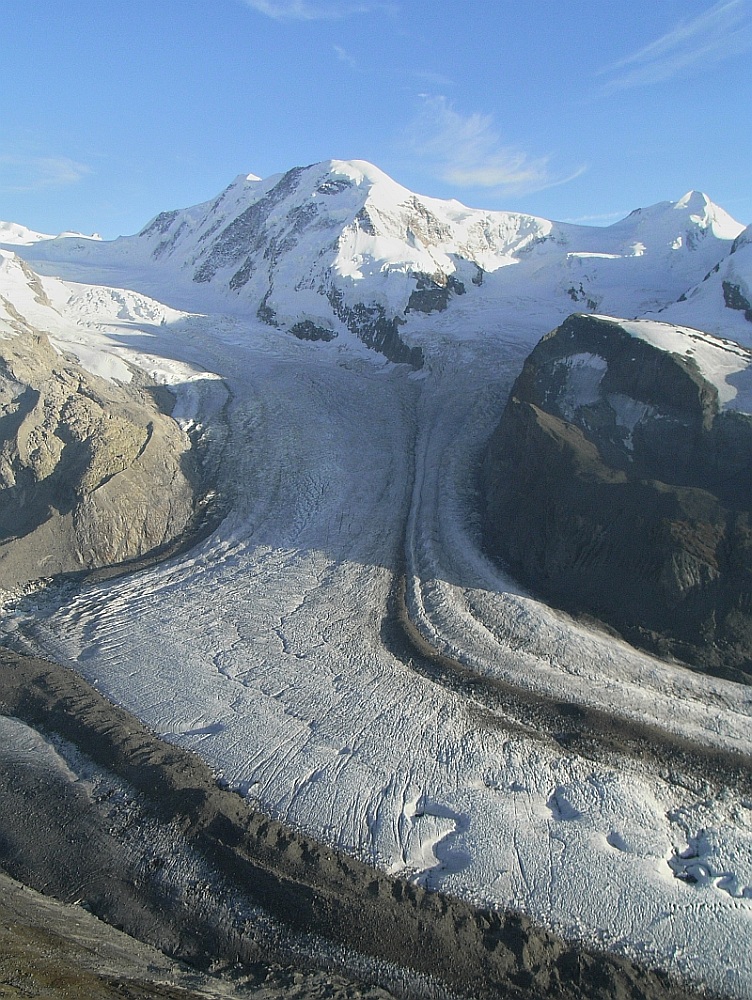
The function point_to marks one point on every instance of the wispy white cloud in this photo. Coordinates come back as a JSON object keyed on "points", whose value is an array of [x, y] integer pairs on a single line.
{"points": [[344, 56], [312, 10], [36, 173], [468, 151], [603, 219], [721, 32]]}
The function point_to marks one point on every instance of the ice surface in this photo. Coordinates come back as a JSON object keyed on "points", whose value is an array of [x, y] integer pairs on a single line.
{"points": [[262, 650]]}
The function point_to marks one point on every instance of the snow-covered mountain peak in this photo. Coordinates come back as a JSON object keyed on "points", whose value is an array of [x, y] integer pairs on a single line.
{"points": [[309, 246], [339, 247], [242, 181], [12, 234], [371, 185], [705, 214], [359, 171], [681, 223], [695, 201]]}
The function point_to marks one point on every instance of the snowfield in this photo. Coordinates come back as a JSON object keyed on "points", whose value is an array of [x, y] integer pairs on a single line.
{"points": [[265, 648], [721, 362]]}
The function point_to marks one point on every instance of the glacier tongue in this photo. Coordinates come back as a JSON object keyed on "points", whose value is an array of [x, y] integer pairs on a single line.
{"points": [[262, 650]]}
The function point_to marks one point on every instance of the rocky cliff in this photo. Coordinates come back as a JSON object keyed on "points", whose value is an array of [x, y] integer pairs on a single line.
{"points": [[618, 484], [91, 472]]}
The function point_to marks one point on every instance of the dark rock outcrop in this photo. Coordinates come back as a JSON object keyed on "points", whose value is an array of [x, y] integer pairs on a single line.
{"points": [[734, 298], [307, 330], [433, 292], [371, 324], [616, 486]]}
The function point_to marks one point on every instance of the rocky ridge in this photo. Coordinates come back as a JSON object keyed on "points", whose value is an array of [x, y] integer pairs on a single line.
{"points": [[92, 472], [618, 484]]}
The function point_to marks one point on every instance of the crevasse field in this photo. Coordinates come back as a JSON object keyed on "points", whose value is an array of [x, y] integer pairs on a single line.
{"points": [[264, 647]]}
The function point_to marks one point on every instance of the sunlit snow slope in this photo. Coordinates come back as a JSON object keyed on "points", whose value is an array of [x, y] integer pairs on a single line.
{"points": [[338, 249], [265, 648]]}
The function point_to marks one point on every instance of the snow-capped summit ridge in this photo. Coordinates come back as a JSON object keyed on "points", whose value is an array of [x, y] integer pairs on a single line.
{"points": [[706, 214], [241, 180], [11, 233], [359, 171], [339, 247], [694, 211], [694, 201]]}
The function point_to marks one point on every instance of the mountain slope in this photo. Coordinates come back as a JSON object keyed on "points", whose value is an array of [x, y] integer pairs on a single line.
{"points": [[618, 482], [273, 649], [721, 302], [92, 472], [339, 248]]}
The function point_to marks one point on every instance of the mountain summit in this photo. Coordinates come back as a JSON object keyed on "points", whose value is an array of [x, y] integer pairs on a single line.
{"points": [[340, 249]]}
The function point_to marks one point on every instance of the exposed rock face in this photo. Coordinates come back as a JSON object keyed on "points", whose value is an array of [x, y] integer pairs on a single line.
{"points": [[91, 473], [617, 486], [339, 249], [734, 298], [433, 292], [735, 286]]}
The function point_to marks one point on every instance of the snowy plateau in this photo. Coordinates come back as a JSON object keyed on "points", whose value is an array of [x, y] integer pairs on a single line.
{"points": [[344, 349]]}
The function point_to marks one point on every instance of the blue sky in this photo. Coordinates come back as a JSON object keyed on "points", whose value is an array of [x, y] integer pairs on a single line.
{"points": [[578, 110]]}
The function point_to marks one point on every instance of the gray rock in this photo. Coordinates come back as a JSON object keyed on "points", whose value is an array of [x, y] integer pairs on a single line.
{"points": [[91, 473], [734, 298], [433, 292]]}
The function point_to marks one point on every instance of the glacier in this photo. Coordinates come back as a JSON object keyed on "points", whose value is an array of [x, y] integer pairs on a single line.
{"points": [[350, 487]]}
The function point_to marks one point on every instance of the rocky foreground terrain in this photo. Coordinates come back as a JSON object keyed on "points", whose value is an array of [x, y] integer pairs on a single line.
{"points": [[194, 873]]}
